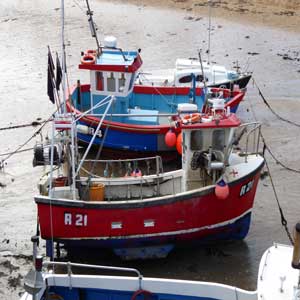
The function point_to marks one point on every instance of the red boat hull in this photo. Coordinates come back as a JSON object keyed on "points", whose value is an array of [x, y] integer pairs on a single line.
{"points": [[194, 216]]}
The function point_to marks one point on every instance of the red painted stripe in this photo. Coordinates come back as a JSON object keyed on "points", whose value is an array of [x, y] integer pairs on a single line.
{"points": [[165, 90]]}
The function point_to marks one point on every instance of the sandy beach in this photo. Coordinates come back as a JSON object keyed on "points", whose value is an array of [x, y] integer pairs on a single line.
{"points": [[263, 35], [278, 13]]}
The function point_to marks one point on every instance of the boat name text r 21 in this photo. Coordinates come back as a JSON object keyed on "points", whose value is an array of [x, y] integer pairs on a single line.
{"points": [[75, 219]]}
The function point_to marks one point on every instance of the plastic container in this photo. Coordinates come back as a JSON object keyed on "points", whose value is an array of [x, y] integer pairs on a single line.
{"points": [[60, 181], [97, 192]]}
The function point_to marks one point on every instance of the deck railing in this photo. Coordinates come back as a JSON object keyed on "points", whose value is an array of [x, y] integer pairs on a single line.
{"points": [[252, 138]]}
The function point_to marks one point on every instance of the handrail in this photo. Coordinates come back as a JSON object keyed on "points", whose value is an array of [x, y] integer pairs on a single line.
{"points": [[123, 160], [157, 160], [253, 131], [134, 115], [100, 267]]}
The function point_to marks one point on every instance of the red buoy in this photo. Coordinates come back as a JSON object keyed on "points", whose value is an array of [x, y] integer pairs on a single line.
{"points": [[222, 190], [136, 173], [179, 143], [170, 138]]}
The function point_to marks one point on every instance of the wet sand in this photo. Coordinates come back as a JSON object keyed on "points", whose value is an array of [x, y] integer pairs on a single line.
{"points": [[271, 52]]}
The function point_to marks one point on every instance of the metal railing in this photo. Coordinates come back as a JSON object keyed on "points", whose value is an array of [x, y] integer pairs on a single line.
{"points": [[69, 266], [253, 134]]}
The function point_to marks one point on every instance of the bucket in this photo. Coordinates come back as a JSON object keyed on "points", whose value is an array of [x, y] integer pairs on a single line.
{"points": [[97, 192], [60, 181]]}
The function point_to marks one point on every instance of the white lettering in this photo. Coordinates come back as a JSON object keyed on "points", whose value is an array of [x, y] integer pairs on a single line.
{"points": [[246, 188], [68, 219], [78, 219]]}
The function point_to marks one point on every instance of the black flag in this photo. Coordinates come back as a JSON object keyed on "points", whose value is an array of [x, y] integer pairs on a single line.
{"points": [[58, 72], [50, 85]]}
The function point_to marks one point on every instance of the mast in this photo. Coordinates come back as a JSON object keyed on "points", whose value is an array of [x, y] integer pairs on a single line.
{"points": [[64, 108], [209, 30], [93, 29]]}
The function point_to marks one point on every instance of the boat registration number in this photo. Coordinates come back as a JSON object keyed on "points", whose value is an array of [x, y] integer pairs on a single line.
{"points": [[246, 188], [75, 219]]}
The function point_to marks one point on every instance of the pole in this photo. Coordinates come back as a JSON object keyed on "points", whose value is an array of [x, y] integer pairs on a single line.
{"points": [[64, 108], [209, 29]]}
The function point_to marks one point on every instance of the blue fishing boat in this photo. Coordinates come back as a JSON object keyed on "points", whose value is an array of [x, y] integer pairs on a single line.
{"points": [[141, 115]]}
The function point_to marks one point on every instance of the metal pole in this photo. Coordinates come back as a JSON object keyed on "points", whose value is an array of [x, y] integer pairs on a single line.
{"points": [[209, 29], [63, 55]]}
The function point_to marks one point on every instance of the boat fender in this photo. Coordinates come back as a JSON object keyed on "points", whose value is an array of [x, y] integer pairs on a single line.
{"points": [[179, 143], [191, 118], [147, 295], [88, 59], [170, 138], [136, 173], [222, 190]]}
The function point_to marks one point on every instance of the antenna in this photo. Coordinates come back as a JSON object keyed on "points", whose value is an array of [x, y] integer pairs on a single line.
{"points": [[209, 30], [93, 28]]}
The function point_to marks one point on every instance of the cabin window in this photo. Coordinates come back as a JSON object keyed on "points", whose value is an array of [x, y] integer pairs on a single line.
{"points": [[218, 140], [121, 82], [185, 79], [196, 140], [99, 81], [189, 78], [199, 78], [111, 83]]}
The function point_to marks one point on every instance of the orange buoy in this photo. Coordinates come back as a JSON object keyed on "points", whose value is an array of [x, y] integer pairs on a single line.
{"points": [[179, 143], [170, 138], [222, 190], [88, 59], [191, 118]]}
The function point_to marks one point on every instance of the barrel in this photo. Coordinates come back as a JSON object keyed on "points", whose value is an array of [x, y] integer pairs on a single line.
{"points": [[96, 192]]}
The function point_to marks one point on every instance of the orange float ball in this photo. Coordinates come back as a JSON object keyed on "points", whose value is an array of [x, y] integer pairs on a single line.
{"points": [[179, 143], [222, 190], [170, 138]]}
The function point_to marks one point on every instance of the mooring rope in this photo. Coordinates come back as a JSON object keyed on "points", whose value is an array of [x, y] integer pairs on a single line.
{"points": [[32, 124], [266, 147], [283, 219], [270, 108], [9, 155]]}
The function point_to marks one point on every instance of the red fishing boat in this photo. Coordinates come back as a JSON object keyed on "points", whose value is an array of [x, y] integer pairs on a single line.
{"points": [[142, 207]]}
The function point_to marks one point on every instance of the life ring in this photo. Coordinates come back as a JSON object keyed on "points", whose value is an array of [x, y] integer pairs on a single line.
{"points": [[91, 52], [147, 295], [88, 59], [191, 118]]}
